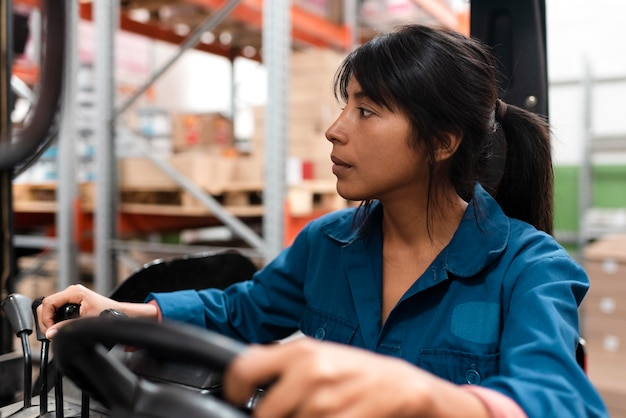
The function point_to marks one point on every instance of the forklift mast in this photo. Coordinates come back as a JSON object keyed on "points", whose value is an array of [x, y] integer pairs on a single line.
{"points": [[20, 147], [7, 258], [516, 30]]}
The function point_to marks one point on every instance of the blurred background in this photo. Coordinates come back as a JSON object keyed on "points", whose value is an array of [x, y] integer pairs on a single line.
{"points": [[198, 125]]}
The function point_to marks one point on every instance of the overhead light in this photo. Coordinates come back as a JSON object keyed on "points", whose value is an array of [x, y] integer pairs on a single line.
{"points": [[207, 37], [141, 15], [181, 29], [226, 38], [248, 51], [166, 12]]}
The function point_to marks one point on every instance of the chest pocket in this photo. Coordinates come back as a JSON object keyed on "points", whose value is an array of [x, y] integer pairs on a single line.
{"points": [[324, 326], [457, 366]]}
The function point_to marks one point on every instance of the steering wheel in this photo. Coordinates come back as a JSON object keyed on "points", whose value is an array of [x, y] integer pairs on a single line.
{"points": [[80, 348]]}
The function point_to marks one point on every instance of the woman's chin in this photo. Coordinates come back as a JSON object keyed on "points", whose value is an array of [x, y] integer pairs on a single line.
{"points": [[349, 193]]}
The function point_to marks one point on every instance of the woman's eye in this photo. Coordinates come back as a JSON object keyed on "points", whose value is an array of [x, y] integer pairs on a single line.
{"points": [[365, 112]]}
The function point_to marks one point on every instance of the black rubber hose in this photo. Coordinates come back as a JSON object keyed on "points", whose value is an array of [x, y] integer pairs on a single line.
{"points": [[43, 120]]}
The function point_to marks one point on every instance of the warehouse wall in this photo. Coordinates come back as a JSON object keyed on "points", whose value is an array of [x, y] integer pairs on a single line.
{"points": [[586, 36]]}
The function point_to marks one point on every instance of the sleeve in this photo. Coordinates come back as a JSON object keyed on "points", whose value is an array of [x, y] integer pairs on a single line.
{"points": [[540, 333], [158, 308], [498, 405], [266, 308]]}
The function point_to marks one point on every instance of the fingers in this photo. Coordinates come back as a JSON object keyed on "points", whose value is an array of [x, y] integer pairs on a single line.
{"points": [[249, 371], [91, 303], [314, 379], [286, 397], [281, 368]]}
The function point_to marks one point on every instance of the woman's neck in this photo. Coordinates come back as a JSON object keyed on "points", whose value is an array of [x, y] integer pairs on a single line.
{"points": [[413, 224]]}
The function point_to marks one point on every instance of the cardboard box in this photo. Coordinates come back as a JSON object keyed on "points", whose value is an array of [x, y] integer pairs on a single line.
{"points": [[249, 169], [141, 173], [190, 130], [210, 171]]}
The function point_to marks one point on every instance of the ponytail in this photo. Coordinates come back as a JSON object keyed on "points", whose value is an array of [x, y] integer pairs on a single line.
{"points": [[526, 188]]}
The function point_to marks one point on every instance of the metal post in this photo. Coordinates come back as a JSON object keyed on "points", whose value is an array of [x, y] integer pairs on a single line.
{"points": [[66, 160], [351, 20], [105, 18], [584, 180], [276, 53]]}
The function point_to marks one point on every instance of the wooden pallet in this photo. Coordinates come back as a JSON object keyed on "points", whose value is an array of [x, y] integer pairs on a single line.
{"points": [[240, 201], [239, 198], [243, 199], [311, 196], [42, 197]]}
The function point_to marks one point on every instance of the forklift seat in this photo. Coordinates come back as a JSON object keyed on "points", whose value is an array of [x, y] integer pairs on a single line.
{"points": [[195, 271]]}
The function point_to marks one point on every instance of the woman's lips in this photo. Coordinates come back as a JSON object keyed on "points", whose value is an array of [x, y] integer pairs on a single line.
{"points": [[339, 166]]}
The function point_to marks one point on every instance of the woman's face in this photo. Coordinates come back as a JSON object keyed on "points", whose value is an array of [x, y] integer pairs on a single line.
{"points": [[371, 155]]}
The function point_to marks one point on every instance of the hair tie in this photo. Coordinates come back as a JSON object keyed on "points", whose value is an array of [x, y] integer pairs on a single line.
{"points": [[500, 109]]}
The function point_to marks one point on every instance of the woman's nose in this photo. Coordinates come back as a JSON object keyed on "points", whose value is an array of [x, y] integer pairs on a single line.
{"points": [[335, 132]]}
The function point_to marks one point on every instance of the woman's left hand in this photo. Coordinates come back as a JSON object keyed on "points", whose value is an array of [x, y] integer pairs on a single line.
{"points": [[308, 378]]}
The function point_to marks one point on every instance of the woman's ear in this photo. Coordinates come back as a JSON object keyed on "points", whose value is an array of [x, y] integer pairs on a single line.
{"points": [[448, 148]]}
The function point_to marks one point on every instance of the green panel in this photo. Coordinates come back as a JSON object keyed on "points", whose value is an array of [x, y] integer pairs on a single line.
{"points": [[609, 186], [566, 198], [608, 191]]}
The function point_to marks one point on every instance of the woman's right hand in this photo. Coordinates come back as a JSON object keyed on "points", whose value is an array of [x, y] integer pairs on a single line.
{"points": [[91, 304]]}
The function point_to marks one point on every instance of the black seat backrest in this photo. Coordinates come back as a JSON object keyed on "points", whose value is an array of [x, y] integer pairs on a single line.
{"points": [[196, 271]]}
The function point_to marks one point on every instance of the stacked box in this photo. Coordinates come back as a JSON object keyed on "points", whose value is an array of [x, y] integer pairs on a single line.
{"points": [[141, 173], [190, 130], [212, 172], [312, 109], [604, 319], [248, 169], [207, 168]]}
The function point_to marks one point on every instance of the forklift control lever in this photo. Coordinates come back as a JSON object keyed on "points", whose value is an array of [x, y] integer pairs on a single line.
{"points": [[67, 311]]}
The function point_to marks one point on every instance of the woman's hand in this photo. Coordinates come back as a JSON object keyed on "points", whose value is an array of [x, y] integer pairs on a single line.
{"points": [[91, 304], [316, 379]]}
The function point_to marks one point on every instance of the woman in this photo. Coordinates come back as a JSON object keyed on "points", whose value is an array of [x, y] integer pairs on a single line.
{"points": [[462, 302]]}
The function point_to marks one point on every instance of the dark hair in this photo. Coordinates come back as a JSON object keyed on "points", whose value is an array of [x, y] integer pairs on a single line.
{"points": [[446, 83]]}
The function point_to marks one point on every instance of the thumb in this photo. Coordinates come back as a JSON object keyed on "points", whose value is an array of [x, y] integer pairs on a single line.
{"points": [[51, 332], [254, 368]]}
